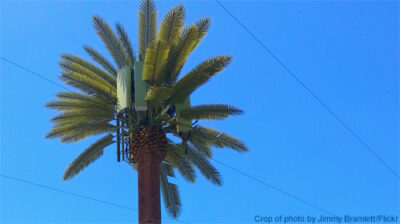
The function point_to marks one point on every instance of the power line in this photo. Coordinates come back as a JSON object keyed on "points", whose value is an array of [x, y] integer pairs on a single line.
{"points": [[67, 192], [273, 187], [33, 73], [319, 100], [72, 193], [276, 189]]}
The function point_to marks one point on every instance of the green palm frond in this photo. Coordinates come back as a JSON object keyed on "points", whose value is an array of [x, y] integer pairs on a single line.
{"points": [[202, 147], [202, 163], [147, 26], [218, 139], [172, 25], [200, 141], [180, 162], [76, 64], [186, 170], [123, 36], [197, 77], [74, 132], [179, 53], [97, 57], [210, 112], [170, 192], [112, 43], [155, 61], [168, 169], [90, 155], [91, 85]]}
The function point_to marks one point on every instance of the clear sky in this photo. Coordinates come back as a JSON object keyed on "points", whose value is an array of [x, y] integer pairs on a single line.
{"points": [[346, 52]]}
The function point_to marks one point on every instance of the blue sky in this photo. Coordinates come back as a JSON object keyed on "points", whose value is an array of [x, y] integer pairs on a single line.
{"points": [[346, 52]]}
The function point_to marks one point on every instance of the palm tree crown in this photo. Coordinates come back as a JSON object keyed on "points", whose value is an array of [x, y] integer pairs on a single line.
{"points": [[144, 89]]}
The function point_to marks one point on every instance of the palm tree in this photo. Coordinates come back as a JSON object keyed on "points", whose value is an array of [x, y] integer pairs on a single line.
{"points": [[141, 103]]}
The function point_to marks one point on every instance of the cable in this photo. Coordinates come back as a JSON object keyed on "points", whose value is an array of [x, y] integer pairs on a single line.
{"points": [[73, 194], [350, 130], [67, 192], [275, 188], [33, 73], [272, 187]]}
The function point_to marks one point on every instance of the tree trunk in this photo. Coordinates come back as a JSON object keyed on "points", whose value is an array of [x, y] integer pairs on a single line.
{"points": [[149, 189], [148, 148]]}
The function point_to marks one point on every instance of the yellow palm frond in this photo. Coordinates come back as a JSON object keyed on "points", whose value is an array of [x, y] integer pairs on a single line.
{"points": [[197, 77], [94, 84], [172, 25], [76, 64], [154, 64]]}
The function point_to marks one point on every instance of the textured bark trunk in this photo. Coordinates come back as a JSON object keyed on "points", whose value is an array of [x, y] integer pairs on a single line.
{"points": [[148, 148], [149, 188]]}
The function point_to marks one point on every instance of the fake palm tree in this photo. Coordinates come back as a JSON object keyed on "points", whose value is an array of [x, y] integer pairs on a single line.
{"points": [[141, 103]]}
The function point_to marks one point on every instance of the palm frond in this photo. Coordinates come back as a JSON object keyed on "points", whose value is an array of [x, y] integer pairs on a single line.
{"points": [[78, 85], [81, 134], [77, 116], [147, 26], [210, 112], [72, 115], [83, 97], [91, 85], [73, 104], [203, 148], [74, 132], [76, 64], [219, 139], [172, 25], [97, 57], [157, 52], [126, 43], [203, 144], [155, 61], [90, 155], [202, 26], [112, 43], [204, 166], [179, 53], [96, 83], [191, 37], [170, 192], [180, 162], [197, 77], [157, 95], [168, 168]]}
